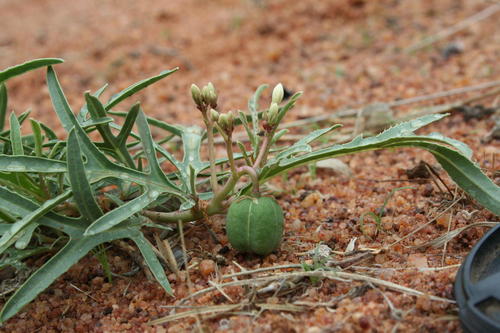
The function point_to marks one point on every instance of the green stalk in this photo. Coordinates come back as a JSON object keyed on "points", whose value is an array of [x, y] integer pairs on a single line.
{"points": [[264, 151], [211, 153], [214, 207], [249, 171]]}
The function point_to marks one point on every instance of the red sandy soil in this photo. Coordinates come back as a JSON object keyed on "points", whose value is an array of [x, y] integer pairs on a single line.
{"points": [[342, 54]]}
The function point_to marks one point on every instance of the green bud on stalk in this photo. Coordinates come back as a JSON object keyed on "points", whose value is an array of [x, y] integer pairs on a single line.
{"points": [[226, 122], [209, 95], [273, 114], [205, 93], [214, 115], [196, 94], [278, 94]]}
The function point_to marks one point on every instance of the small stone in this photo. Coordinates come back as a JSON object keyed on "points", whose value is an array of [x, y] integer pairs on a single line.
{"points": [[207, 267], [312, 199], [97, 281]]}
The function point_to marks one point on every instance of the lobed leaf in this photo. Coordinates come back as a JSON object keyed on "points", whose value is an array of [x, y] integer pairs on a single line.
{"points": [[463, 171]]}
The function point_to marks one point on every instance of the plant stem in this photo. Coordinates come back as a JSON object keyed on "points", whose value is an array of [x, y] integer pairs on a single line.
{"points": [[173, 217], [230, 155], [214, 207], [264, 150], [253, 176], [211, 153]]}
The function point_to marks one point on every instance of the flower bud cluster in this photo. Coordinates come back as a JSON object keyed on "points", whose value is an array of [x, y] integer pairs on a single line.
{"points": [[225, 121], [271, 116], [205, 98]]}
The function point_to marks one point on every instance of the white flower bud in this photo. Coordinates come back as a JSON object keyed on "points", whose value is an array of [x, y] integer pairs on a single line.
{"points": [[278, 93]]}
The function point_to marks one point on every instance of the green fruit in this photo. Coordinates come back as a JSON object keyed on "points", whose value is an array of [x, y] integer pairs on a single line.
{"points": [[255, 225]]}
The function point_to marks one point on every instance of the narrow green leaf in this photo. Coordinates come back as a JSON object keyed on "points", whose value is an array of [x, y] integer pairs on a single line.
{"points": [[16, 204], [302, 145], [98, 167], [32, 216], [21, 183], [120, 214], [465, 174], [15, 136], [288, 106], [82, 192], [82, 115], [250, 133], [463, 171], [174, 129], [129, 91], [48, 132], [97, 112], [3, 105], [97, 122], [128, 125], [150, 151], [30, 164], [6, 217], [16, 256], [152, 261], [61, 106], [23, 116], [73, 251], [26, 235], [278, 136], [191, 141], [27, 66], [37, 134], [253, 107]]}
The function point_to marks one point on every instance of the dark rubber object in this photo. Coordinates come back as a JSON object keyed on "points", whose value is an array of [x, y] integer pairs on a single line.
{"points": [[477, 286]]}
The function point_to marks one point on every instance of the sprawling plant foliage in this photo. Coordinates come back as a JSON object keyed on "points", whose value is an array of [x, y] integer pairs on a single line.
{"points": [[52, 190]]}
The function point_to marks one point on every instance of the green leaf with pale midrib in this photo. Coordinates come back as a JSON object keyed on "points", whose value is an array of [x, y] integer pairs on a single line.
{"points": [[464, 172], [3, 105], [14, 232], [60, 102], [82, 192], [10, 163], [13, 71], [120, 214], [22, 206], [129, 91]]}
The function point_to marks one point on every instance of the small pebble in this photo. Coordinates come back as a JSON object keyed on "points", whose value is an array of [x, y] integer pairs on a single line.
{"points": [[207, 267]]}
